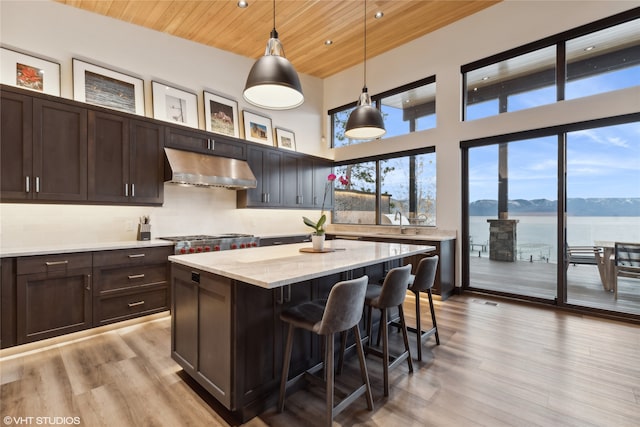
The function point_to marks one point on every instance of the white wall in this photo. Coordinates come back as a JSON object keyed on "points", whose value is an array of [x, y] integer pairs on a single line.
{"points": [[498, 28]]}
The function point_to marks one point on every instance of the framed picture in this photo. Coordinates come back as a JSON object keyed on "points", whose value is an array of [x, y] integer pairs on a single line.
{"points": [[107, 88], [286, 139], [257, 128], [174, 105], [221, 115], [29, 72]]}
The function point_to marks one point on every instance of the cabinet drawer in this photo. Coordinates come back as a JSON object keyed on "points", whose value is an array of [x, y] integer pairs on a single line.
{"points": [[53, 263], [109, 279], [132, 256], [120, 307]]}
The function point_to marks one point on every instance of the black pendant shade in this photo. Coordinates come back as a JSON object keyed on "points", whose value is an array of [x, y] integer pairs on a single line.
{"points": [[365, 122], [273, 82]]}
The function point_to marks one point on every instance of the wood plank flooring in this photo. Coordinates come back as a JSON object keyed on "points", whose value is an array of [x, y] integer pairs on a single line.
{"points": [[499, 364]]}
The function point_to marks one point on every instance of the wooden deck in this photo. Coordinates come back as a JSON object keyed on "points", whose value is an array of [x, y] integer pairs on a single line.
{"points": [[538, 279]]}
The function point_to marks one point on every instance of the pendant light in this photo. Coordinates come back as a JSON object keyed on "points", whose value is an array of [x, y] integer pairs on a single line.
{"points": [[273, 82], [365, 122]]}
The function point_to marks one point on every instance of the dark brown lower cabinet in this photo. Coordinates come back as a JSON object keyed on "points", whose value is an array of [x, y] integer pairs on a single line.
{"points": [[7, 302], [53, 295], [228, 336], [130, 283]]}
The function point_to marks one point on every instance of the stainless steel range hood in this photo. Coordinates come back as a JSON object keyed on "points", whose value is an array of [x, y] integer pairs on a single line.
{"points": [[209, 171]]}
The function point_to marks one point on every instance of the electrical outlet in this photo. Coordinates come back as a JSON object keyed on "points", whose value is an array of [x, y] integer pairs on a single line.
{"points": [[128, 225]]}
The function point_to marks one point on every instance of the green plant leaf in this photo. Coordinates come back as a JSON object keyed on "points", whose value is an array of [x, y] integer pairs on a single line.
{"points": [[310, 223]]}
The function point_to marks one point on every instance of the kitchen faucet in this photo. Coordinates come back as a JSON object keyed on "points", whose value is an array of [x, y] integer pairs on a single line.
{"points": [[395, 218]]}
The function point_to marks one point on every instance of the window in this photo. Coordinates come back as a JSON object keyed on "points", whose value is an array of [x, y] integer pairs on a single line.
{"points": [[603, 61], [395, 190], [409, 108], [599, 58], [516, 83]]}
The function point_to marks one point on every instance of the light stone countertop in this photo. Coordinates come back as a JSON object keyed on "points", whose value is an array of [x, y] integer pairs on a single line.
{"points": [[60, 248], [275, 266]]}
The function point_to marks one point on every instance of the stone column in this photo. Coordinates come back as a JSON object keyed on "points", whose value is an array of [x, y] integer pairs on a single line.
{"points": [[503, 239]]}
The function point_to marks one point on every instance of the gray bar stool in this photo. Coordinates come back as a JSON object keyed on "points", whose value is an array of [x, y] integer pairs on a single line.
{"points": [[423, 282], [391, 294], [342, 311]]}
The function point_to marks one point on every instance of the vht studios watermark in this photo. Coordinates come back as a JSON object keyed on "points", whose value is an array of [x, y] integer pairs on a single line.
{"points": [[40, 421]]}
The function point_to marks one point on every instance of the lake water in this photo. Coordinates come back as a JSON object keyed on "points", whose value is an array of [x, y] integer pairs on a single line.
{"points": [[537, 234]]}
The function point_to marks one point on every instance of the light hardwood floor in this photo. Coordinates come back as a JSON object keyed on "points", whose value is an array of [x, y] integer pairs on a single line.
{"points": [[499, 364]]}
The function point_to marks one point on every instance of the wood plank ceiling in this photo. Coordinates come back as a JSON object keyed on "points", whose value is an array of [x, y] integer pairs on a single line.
{"points": [[303, 26]]}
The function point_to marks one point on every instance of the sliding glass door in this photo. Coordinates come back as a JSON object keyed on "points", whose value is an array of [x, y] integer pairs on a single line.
{"points": [[512, 217], [603, 207]]}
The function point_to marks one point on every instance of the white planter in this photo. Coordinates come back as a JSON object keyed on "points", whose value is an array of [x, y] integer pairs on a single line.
{"points": [[317, 242]]}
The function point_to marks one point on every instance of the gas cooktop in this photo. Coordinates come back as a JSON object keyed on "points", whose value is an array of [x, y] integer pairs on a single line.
{"points": [[208, 243]]}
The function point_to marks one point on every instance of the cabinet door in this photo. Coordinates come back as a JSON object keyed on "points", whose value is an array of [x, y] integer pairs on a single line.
{"points": [[214, 341], [7, 302], [52, 304], [188, 140], [108, 157], [321, 171], [305, 182], [16, 147], [184, 318], [267, 167], [59, 151], [146, 169], [290, 187], [272, 177]]}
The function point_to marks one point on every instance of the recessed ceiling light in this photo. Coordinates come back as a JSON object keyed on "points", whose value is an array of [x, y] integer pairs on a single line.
{"points": [[588, 48], [242, 4], [328, 42], [378, 15]]}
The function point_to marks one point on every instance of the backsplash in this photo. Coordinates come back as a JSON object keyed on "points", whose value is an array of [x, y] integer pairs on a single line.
{"points": [[186, 210]]}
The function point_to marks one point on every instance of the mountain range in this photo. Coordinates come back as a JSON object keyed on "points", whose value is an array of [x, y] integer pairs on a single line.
{"points": [[575, 207]]}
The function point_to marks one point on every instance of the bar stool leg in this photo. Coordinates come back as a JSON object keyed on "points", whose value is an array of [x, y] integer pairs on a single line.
{"points": [[329, 374], [343, 347], [363, 367], [385, 351], [285, 368], [405, 336], [433, 316], [418, 327]]}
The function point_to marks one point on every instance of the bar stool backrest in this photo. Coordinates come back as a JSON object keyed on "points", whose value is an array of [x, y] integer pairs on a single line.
{"points": [[426, 274], [344, 306], [394, 287]]}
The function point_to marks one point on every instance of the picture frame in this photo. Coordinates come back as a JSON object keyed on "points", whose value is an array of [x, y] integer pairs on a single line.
{"points": [[221, 115], [107, 88], [286, 139], [257, 128], [174, 105], [29, 72]]}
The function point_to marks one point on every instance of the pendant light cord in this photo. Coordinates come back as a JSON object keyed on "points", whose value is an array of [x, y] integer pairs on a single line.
{"points": [[365, 44], [274, 15]]}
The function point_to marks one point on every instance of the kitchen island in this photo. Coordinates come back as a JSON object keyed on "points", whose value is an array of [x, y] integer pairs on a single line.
{"points": [[226, 331]]}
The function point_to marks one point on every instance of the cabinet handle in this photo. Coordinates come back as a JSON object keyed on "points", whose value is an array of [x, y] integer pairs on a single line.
{"points": [[126, 190], [37, 184], [268, 197], [50, 263], [315, 200], [133, 190], [88, 282], [136, 256], [211, 144], [136, 276], [28, 184], [288, 297], [133, 304]]}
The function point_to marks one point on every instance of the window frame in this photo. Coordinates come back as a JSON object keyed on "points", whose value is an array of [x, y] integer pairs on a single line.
{"points": [[377, 159]]}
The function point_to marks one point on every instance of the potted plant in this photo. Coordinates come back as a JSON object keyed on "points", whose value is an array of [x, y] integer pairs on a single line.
{"points": [[318, 236]]}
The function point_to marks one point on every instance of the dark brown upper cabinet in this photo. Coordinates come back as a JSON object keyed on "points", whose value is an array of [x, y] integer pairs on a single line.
{"points": [[126, 161], [44, 150]]}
